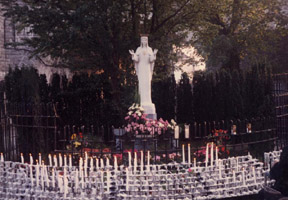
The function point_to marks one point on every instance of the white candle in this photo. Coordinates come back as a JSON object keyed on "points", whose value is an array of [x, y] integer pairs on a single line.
{"points": [[212, 154], [216, 156], [148, 161], [135, 162], [40, 159], [254, 175], [2, 157], [102, 163], [206, 156], [234, 176], [82, 179], [22, 158], [129, 158], [176, 132], [189, 154], [60, 160], [65, 181], [237, 164], [31, 174], [195, 163], [53, 178], [141, 163], [127, 179], [86, 156], [42, 176], [46, 176], [108, 180], [243, 177], [97, 163], [76, 180], [65, 160], [183, 153], [85, 168], [31, 158], [102, 176], [220, 170], [55, 161], [91, 164], [115, 164], [107, 162], [187, 131], [37, 173], [80, 163], [70, 161], [50, 160]]}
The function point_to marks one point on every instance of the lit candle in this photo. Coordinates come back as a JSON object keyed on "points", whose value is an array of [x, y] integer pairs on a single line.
{"points": [[148, 161], [183, 153], [129, 158], [86, 156], [22, 158], [65, 160], [70, 161], [37, 173], [2, 157], [206, 156], [76, 180], [55, 161], [216, 156], [141, 163], [53, 178], [127, 180], [135, 162], [254, 174], [107, 162], [115, 164], [85, 168], [176, 132], [187, 131], [102, 163], [212, 154], [40, 159], [30, 155], [91, 164], [97, 163], [189, 154], [50, 160], [42, 175], [31, 175], [60, 160]]}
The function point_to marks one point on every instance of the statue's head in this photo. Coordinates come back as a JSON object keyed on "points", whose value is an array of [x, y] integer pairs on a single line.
{"points": [[144, 40]]}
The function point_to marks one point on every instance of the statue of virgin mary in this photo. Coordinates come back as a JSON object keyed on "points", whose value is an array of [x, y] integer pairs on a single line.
{"points": [[144, 59]]}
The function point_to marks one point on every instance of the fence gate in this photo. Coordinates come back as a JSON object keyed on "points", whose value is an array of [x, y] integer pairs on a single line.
{"points": [[27, 128], [281, 107]]}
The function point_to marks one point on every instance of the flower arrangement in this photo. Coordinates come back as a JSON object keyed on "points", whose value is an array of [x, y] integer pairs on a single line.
{"points": [[138, 123]]}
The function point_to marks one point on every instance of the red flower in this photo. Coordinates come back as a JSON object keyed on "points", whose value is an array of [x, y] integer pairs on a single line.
{"points": [[216, 134], [80, 135], [223, 149]]}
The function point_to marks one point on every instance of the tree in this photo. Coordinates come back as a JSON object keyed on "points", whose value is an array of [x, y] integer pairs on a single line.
{"points": [[234, 30]]}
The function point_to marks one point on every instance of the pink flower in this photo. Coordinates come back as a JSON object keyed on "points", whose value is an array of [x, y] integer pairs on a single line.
{"points": [[190, 170], [136, 132], [126, 118], [158, 158]]}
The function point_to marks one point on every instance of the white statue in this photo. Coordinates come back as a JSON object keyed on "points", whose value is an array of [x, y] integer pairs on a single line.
{"points": [[144, 59]]}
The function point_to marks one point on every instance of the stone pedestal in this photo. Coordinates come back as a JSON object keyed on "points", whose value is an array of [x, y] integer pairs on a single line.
{"points": [[150, 110]]}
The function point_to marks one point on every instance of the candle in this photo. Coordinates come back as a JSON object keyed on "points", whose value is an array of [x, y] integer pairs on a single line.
{"points": [[243, 177], [206, 156], [129, 158], [148, 161], [2, 157], [176, 132], [31, 175], [135, 162], [55, 161], [86, 156], [31, 158], [91, 164], [50, 160], [22, 158], [82, 179], [234, 176], [216, 156], [102, 176], [195, 163], [60, 160], [108, 180], [141, 163], [37, 173], [189, 154], [183, 153], [76, 178], [212, 154], [237, 164], [187, 131], [102, 163], [220, 170], [127, 180], [40, 159], [85, 168], [65, 182], [42, 175], [65, 160], [53, 178], [97, 164], [107, 162], [115, 164], [70, 161], [254, 174], [80, 163], [46, 176]]}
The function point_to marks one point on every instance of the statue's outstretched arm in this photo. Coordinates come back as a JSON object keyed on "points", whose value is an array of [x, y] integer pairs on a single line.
{"points": [[135, 58]]}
